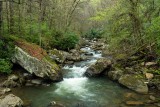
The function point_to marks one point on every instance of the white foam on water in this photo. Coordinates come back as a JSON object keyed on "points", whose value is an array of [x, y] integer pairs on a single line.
{"points": [[97, 55], [87, 49], [75, 86], [77, 71]]}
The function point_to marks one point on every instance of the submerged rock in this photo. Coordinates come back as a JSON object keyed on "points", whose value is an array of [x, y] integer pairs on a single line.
{"points": [[11, 101], [55, 104], [96, 69], [41, 67], [134, 103], [36, 81], [133, 82]]}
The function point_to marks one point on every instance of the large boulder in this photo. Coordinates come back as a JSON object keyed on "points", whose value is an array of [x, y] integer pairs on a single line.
{"points": [[11, 101], [99, 67], [134, 82], [40, 65]]}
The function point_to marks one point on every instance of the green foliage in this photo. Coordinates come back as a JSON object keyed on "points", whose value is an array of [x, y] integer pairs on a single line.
{"points": [[5, 66], [6, 52], [94, 33], [65, 41], [153, 36], [129, 25], [153, 33], [6, 49], [157, 72]]}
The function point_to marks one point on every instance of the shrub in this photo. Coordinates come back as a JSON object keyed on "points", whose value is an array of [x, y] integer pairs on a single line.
{"points": [[6, 52], [65, 41], [5, 66]]}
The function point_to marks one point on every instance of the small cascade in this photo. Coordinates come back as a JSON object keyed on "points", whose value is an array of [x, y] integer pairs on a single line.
{"points": [[74, 81]]}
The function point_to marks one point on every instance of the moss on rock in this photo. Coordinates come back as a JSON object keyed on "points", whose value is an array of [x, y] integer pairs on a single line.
{"points": [[36, 60], [134, 82]]}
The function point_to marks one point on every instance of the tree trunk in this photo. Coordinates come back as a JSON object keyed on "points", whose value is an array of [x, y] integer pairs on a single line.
{"points": [[11, 18], [19, 19], [1, 4], [7, 16]]}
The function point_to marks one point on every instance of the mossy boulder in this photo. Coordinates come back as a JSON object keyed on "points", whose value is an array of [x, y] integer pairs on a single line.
{"points": [[99, 67], [36, 61], [134, 82]]}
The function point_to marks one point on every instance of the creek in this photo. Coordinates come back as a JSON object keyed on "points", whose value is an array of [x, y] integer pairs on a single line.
{"points": [[76, 90]]}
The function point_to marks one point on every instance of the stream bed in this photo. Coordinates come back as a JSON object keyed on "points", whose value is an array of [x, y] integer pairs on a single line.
{"points": [[76, 90]]}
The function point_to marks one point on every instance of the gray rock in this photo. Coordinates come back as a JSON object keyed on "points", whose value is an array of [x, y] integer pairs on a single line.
{"points": [[158, 104], [28, 84], [42, 68], [83, 58], [4, 90], [74, 51], [115, 75], [55, 104], [134, 103], [27, 76], [36, 81], [152, 97], [148, 64], [134, 82], [149, 76], [10, 84], [11, 101], [74, 58], [58, 55], [69, 62], [13, 77], [99, 67]]}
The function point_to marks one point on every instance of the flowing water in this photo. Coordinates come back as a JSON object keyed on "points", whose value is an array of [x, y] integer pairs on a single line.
{"points": [[76, 90]]}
